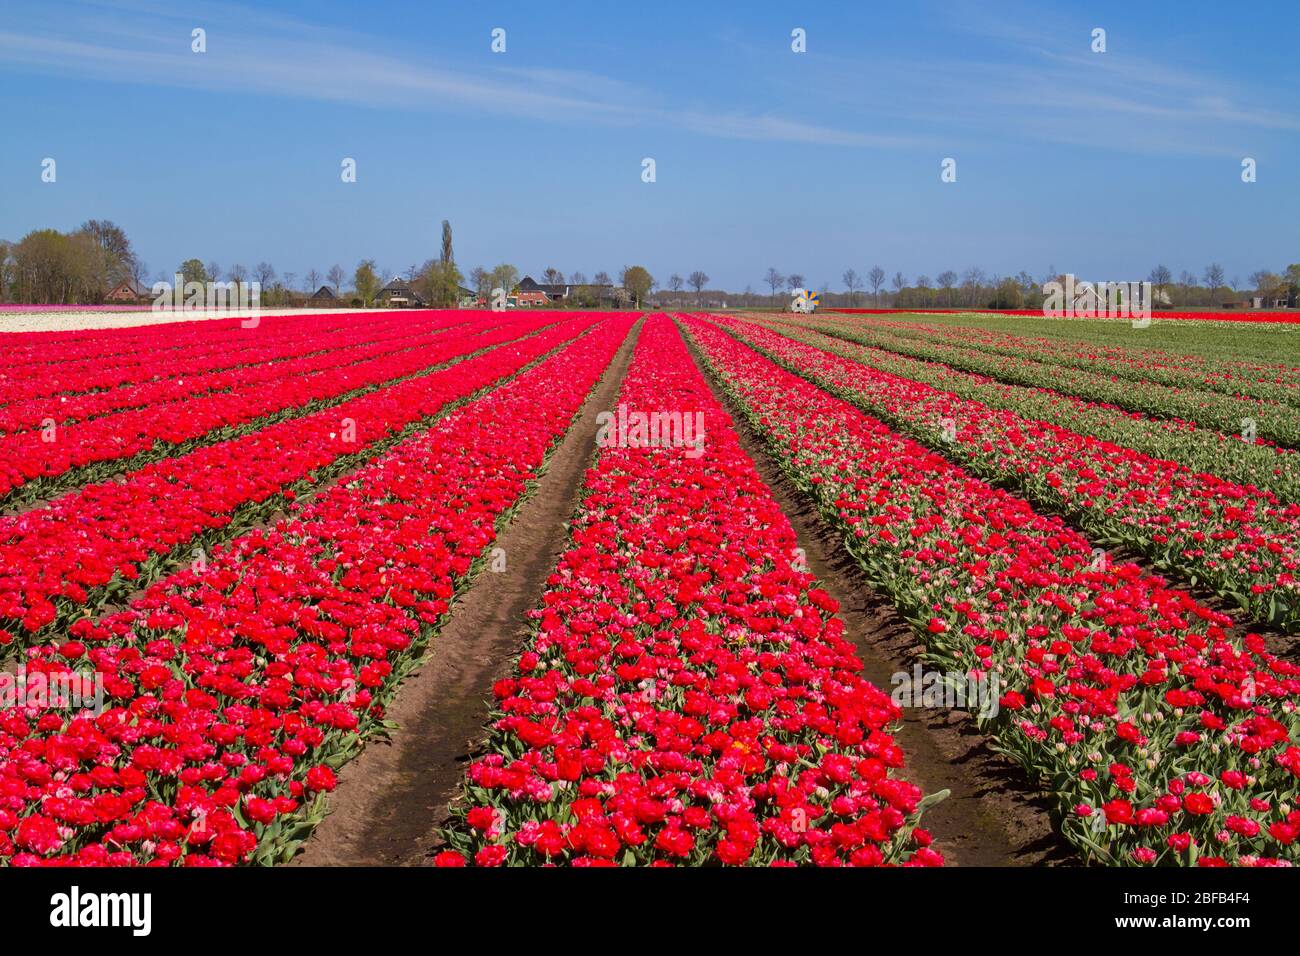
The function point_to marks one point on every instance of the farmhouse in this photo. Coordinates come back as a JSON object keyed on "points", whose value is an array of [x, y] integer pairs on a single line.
{"points": [[128, 290], [399, 293], [554, 292], [323, 294], [560, 292]]}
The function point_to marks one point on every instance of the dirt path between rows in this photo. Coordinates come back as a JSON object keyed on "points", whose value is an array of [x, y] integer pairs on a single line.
{"points": [[393, 796], [995, 816]]}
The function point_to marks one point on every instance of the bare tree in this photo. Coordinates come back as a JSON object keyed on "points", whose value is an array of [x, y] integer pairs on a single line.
{"points": [[237, 274], [697, 280], [876, 277], [1160, 277], [899, 282], [553, 276], [289, 279], [313, 280], [947, 279], [265, 274], [924, 291], [116, 247], [578, 278], [675, 282], [1213, 276], [774, 281], [213, 269], [794, 281], [852, 282], [335, 277]]}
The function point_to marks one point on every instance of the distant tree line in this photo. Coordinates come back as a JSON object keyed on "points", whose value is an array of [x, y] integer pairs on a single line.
{"points": [[974, 288], [634, 285], [48, 267]]}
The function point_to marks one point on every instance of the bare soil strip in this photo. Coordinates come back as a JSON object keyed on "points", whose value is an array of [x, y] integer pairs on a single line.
{"points": [[995, 816], [391, 799]]}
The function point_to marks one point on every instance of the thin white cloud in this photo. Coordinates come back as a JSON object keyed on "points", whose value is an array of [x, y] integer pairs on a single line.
{"points": [[1018, 82], [739, 126], [1032, 90], [271, 55]]}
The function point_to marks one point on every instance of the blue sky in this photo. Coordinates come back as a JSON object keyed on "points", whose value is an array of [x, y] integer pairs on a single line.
{"points": [[1103, 164]]}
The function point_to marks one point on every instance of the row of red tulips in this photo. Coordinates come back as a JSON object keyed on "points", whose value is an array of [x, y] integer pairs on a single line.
{"points": [[1257, 463], [71, 556], [235, 694], [1200, 317], [1140, 363], [1242, 542], [1164, 737], [688, 696], [35, 347], [44, 462], [57, 376], [1275, 420], [145, 383], [28, 352]]}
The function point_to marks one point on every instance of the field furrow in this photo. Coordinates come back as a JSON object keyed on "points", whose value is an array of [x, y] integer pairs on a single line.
{"points": [[687, 695]]}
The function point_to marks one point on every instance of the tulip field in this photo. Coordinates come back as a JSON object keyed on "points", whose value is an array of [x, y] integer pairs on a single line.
{"points": [[265, 547]]}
